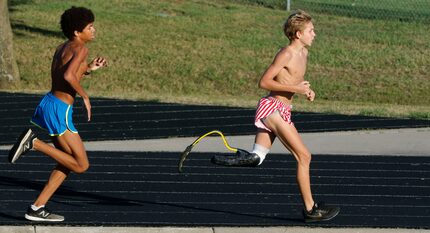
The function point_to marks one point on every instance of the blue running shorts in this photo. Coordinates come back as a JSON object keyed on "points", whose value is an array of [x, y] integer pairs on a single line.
{"points": [[54, 115]]}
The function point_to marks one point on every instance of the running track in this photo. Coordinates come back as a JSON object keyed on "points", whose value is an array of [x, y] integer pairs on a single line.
{"points": [[145, 189], [121, 120]]}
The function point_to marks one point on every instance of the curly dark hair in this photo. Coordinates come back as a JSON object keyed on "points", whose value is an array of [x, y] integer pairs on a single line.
{"points": [[75, 19]]}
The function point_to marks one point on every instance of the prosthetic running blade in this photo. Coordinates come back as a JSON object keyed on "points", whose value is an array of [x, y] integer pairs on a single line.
{"points": [[187, 150], [241, 158]]}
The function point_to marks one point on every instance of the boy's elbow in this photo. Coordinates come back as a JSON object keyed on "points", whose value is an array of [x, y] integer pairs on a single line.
{"points": [[262, 85], [69, 77]]}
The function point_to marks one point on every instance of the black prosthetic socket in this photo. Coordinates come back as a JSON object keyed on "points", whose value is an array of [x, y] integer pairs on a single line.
{"points": [[242, 158]]}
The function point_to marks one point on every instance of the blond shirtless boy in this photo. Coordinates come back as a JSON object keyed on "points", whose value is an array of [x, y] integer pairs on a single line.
{"points": [[54, 112], [284, 78]]}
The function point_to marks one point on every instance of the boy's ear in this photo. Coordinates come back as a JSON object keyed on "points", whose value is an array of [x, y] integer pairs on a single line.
{"points": [[76, 33], [298, 34]]}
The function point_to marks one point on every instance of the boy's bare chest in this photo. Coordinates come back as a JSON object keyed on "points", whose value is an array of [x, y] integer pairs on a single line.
{"points": [[293, 72]]}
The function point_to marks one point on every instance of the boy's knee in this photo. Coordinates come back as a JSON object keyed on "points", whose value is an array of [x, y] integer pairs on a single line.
{"points": [[82, 169], [305, 159]]}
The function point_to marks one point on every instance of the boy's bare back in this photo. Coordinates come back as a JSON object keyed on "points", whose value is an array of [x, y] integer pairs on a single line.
{"points": [[68, 56], [69, 66]]}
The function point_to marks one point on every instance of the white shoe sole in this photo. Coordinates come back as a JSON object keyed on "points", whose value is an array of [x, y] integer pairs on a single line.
{"points": [[19, 149], [36, 219]]}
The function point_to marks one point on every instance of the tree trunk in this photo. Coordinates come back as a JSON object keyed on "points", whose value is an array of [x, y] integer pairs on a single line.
{"points": [[8, 67]]}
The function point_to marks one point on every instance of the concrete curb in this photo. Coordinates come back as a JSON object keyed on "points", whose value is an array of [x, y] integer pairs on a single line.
{"points": [[70, 229], [399, 142]]}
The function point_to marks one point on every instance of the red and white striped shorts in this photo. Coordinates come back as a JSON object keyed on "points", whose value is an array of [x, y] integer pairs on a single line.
{"points": [[269, 105]]}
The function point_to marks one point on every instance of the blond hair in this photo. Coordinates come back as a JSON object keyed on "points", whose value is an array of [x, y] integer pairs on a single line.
{"points": [[296, 22]]}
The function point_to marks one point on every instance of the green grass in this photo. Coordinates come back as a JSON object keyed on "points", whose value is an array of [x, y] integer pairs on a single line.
{"points": [[214, 52]]}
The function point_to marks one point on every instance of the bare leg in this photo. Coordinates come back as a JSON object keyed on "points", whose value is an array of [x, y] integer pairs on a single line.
{"points": [[58, 175], [70, 154], [262, 144], [291, 139], [264, 138]]}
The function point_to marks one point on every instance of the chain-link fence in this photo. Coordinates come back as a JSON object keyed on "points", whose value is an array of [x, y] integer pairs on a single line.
{"points": [[402, 10]]}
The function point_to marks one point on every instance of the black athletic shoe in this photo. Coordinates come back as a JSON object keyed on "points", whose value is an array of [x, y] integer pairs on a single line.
{"points": [[22, 146], [242, 158], [42, 215], [320, 212]]}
